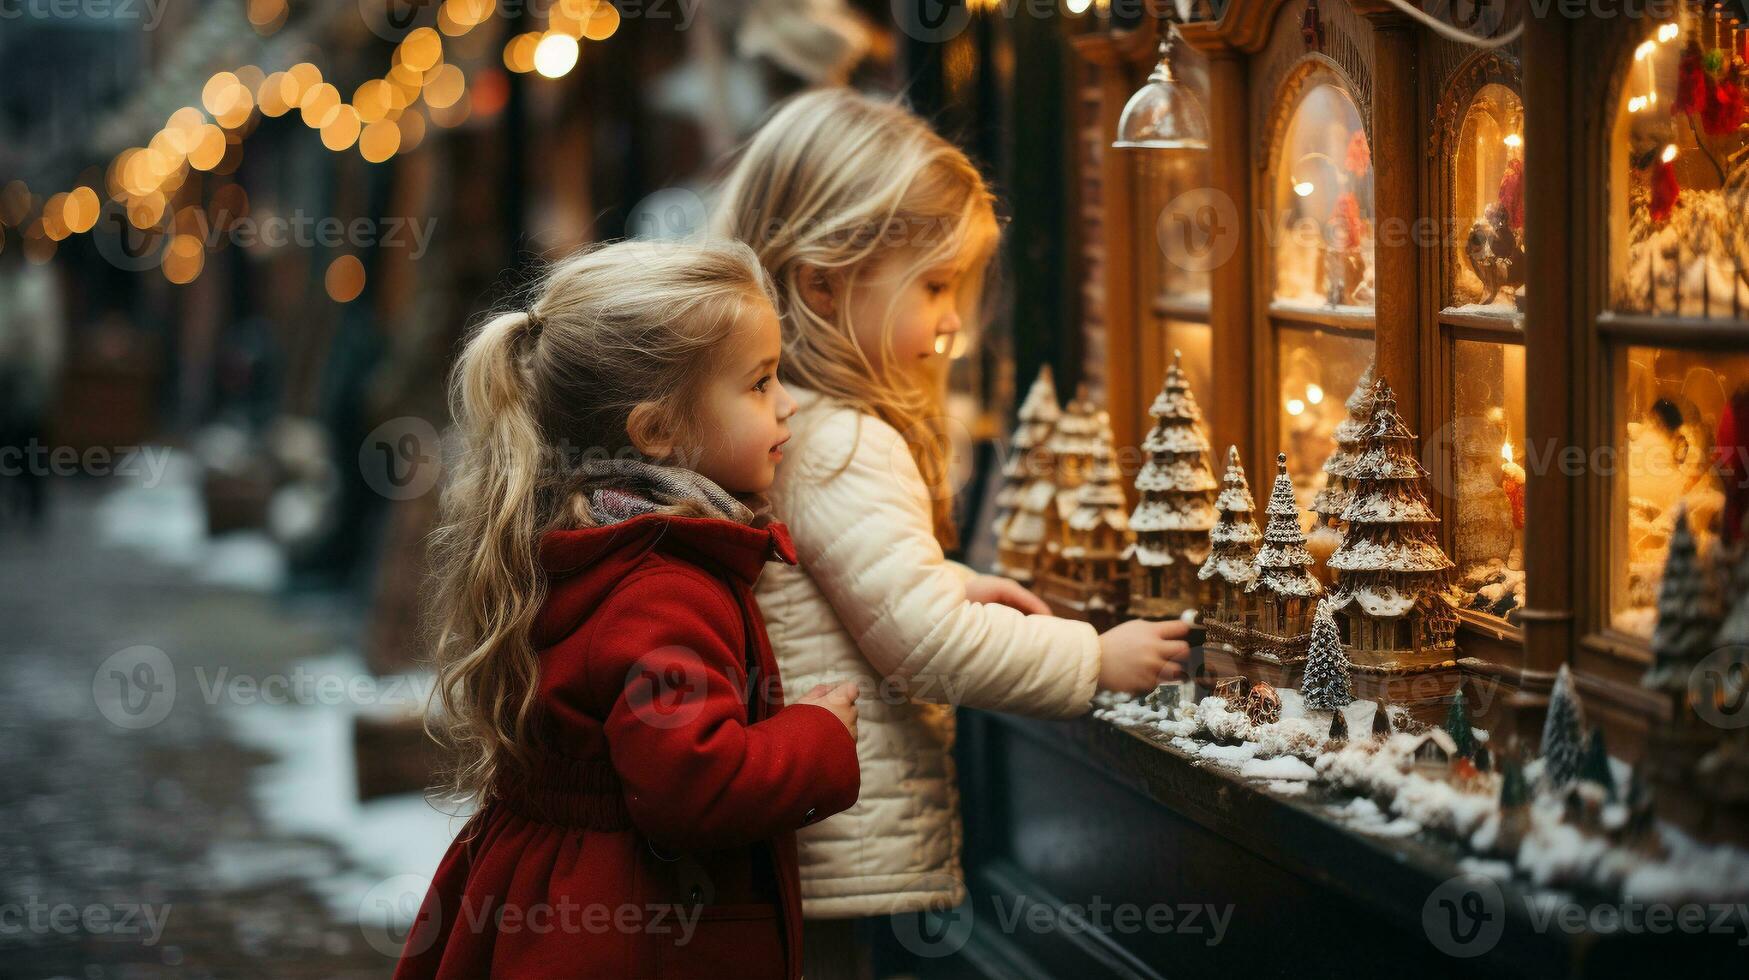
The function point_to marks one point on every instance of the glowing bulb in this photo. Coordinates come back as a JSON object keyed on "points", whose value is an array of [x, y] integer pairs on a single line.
{"points": [[1644, 51], [1514, 140], [1668, 32], [1295, 406], [1506, 451], [1304, 188], [1077, 7], [1636, 103], [1669, 153], [555, 55], [1314, 394]]}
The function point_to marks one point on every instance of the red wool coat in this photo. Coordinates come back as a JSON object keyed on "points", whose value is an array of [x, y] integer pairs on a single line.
{"points": [[655, 835]]}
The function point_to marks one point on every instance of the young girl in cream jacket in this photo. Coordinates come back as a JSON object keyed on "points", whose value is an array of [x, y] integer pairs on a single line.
{"points": [[876, 233]]}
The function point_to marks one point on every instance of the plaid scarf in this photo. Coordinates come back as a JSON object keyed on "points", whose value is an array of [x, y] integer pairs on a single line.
{"points": [[621, 489]]}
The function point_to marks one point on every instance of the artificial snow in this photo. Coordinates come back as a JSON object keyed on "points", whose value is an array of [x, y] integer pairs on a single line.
{"points": [[1284, 767]]}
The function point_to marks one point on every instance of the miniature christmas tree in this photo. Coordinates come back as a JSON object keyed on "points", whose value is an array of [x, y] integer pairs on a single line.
{"points": [[1514, 791], [1176, 510], [1688, 613], [1338, 728], [1595, 766], [1381, 723], [1333, 496], [1326, 685], [1088, 576], [1283, 592], [1562, 747], [1036, 417], [1233, 539], [1483, 758], [1393, 579], [1457, 725]]}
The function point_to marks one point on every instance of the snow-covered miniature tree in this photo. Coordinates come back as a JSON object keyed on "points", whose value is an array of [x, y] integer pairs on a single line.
{"points": [[1688, 613], [1393, 580], [1563, 748], [1325, 685], [1283, 594], [1035, 419], [1176, 506], [1594, 767], [1090, 570], [1338, 728], [1381, 722], [1231, 564], [1333, 496], [1457, 725]]}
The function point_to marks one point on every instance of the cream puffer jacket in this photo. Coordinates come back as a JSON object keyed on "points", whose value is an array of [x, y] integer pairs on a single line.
{"points": [[873, 599]]}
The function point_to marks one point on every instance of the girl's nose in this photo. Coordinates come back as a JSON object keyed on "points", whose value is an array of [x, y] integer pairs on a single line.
{"points": [[786, 406]]}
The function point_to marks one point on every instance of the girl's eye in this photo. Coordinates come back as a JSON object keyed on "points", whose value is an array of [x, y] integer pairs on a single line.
{"points": [[763, 383], [937, 288]]}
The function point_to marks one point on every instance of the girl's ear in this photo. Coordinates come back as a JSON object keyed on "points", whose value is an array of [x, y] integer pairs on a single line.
{"points": [[648, 431], [819, 290]]}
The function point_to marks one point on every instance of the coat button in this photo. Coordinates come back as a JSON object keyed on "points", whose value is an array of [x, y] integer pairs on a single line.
{"points": [[696, 896], [809, 817]]}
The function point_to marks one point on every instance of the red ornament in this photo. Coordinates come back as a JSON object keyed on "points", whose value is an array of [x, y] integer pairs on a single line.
{"points": [[1691, 80], [1359, 159], [1664, 190], [1512, 193], [1346, 219], [1724, 107]]}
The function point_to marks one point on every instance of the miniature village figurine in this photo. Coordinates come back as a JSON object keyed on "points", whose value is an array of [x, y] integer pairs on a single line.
{"points": [[1393, 581], [1027, 458], [1231, 565], [1088, 576], [1175, 509], [1283, 596], [1332, 497], [1338, 728]]}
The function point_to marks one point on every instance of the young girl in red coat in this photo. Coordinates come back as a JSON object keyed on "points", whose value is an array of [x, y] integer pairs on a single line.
{"points": [[604, 671]]}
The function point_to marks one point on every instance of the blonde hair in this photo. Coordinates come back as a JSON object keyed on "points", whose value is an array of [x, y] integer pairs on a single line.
{"points": [[839, 181], [534, 389]]}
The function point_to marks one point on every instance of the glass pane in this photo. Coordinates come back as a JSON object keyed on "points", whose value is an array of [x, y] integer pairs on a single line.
{"points": [[1488, 476], [1317, 371], [1488, 274], [1679, 230], [1177, 216], [1323, 231], [1683, 427], [1195, 341]]}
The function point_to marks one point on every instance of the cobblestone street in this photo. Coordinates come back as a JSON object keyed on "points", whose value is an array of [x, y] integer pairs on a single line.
{"points": [[144, 852]]}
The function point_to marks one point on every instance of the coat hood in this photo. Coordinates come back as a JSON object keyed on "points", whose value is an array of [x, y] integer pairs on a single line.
{"points": [[584, 565]]}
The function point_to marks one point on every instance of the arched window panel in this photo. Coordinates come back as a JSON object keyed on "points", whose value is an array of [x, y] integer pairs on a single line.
{"points": [[1682, 433], [1488, 444], [1316, 370], [1679, 176], [1488, 263], [1321, 235]]}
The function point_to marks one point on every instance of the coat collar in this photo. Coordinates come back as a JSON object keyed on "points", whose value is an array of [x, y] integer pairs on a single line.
{"points": [[740, 549]]}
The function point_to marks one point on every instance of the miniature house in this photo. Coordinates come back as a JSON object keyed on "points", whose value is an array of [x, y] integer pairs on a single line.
{"points": [[1284, 596], [1176, 506], [1089, 575], [1028, 484], [1231, 564]]}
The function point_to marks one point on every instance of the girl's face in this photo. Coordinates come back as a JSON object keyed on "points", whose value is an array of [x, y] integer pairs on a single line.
{"points": [[743, 410], [923, 309]]}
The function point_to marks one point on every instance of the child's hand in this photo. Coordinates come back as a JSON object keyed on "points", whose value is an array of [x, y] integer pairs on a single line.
{"points": [[1137, 656], [840, 700], [1006, 592]]}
